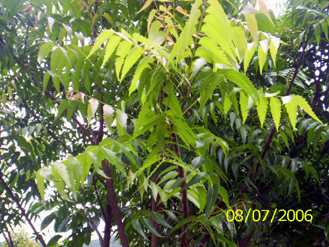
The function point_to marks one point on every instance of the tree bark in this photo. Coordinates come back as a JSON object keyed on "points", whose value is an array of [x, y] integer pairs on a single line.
{"points": [[184, 201], [113, 203], [108, 224]]}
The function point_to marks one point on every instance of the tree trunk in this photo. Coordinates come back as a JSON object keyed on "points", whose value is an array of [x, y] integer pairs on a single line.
{"points": [[113, 203], [108, 224]]}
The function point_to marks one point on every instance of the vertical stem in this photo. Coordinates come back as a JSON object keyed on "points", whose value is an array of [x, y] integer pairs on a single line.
{"points": [[108, 224], [113, 203], [15, 198], [184, 201], [204, 241], [154, 238], [8, 239]]}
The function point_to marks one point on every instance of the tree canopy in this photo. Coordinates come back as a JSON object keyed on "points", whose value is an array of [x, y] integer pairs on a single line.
{"points": [[154, 118]]}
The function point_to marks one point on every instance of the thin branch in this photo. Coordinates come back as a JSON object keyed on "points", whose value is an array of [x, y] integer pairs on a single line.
{"points": [[184, 201], [15, 198], [93, 226]]}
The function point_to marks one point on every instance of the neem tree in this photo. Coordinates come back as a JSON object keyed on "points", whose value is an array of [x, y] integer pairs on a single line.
{"points": [[174, 113]]}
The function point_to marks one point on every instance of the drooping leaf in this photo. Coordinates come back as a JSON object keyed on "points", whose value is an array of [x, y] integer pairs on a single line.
{"points": [[302, 103], [291, 108], [241, 81], [44, 50], [244, 106], [143, 65], [262, 109], [110, 48], [208, 84], [131, 59], [262, 53], [101, 39], [274, 46], [122, 52], [250, 51], [252, 24], [47, 220], [275, 105]]}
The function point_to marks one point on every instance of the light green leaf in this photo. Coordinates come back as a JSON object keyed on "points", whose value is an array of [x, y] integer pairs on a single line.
{"points": [[59, 59], [110, 48], [262, 109], [143, 64], [250, 51], [40, 184], [227, 104], [291, 107], [176, 116], [252, 25], [101, 39], [60, 172], [86, 162], [265, 23], [242, 81], [302, 103], [210, 51], [218, 28], [181, 127], [186, 37], [131, 59], [275, 106], [45, 81], [122, 52], [44, 50], [274, 46], [262, 54], [244, 106], [208, 84], [147, 118], [240, 41]]}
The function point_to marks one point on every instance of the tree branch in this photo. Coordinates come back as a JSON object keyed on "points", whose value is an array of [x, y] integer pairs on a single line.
{"points": [[15, 198], [184, 201]]}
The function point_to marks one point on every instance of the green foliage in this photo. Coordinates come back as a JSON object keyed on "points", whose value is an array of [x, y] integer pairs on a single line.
{"points": [[162, 115]]}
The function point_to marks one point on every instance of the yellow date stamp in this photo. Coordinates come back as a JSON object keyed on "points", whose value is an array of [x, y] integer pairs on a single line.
{"points": [[267, 215]]}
